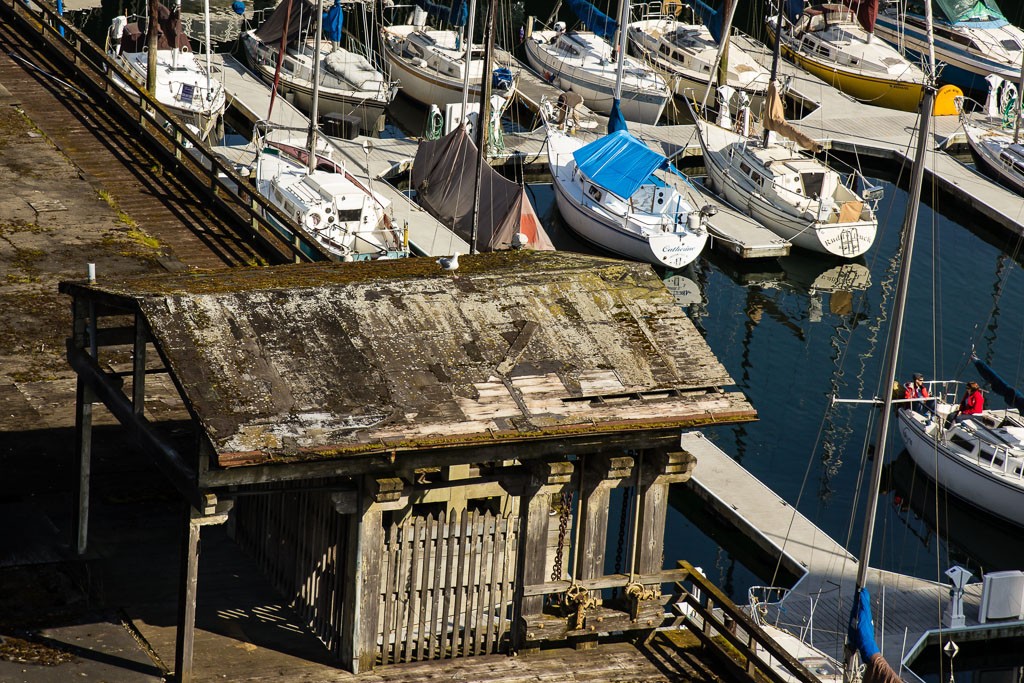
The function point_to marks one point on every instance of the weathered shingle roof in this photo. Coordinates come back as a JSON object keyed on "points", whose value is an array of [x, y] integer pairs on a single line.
{"points": [[318, 361]]}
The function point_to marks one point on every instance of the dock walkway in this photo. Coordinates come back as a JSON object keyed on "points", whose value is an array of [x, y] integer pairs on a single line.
{"points": [[251, 98], [819, 604]]}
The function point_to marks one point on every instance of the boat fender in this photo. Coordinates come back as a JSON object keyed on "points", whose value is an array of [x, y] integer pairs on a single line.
{"points": [[945, 101], [313, 220]]}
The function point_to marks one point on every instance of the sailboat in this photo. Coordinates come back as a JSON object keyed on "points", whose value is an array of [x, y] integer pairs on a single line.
{"points": [[972, 39], [979, 459], [430, 64], [838, 46], [347, 217], [349, 83], [609, 192], [787, 190], [453, 181], [685, 51], [583, 62], [183, 84], [997, 152]]}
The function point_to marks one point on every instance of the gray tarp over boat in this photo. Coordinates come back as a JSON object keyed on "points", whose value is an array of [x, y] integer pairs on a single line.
{"points": [[303, 13], [444, 175], [170, 34]]}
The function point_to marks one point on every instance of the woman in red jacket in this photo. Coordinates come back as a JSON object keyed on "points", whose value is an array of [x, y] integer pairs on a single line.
{"points": [[972, 403]]}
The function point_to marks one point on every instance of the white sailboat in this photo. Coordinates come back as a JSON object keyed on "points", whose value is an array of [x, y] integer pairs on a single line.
{"points": [[610, 194], [583, 62], [786, 189], [349, 83], [994, 140], [686, 52], [430, 64], [347, 217], [183, 84], [838, 46]]}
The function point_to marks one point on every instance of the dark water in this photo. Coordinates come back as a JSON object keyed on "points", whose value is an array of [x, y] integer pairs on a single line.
{"points": [[791, 343]]}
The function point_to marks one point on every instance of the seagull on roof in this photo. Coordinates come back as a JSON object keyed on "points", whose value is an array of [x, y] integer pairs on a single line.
{"points": [[450, 264]]}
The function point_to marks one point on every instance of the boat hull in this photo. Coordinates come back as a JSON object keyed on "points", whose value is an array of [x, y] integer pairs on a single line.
{"points": [[987, 159], [598, 93], [881, 92], [959, 475]]}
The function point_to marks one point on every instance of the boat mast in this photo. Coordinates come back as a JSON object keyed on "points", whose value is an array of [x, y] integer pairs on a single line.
{"points": [[469, 57], [209, 69], [721, 65], [895, 332], [315, 106], [483, 124], [776, 54]]}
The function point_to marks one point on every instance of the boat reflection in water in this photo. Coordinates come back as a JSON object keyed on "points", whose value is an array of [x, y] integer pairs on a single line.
{"points": [[973, 538]]}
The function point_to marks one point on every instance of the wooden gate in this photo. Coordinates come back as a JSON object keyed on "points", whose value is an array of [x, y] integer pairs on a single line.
{"points": [[447, 587]]}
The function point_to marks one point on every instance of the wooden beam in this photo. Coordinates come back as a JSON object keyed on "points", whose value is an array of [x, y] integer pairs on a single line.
{"points": [[653, 502], [84, 398], [139, 365], [531, 565], [361, 597], [187, 587], [600, 475]]}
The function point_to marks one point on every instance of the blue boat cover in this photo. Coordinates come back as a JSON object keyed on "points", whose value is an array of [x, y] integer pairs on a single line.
{"points": [[596, 20], [709, 16], [616, 121], [619, 163], [974, 11], [1012, 397], [334, 22], [456, 15]]}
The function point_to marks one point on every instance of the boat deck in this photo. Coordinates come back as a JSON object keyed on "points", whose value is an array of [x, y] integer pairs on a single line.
{"points": [[251, 97], [820, 603]]}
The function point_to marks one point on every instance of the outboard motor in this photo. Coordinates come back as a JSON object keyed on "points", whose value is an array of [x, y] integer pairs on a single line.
{"points": [[115, 32]]}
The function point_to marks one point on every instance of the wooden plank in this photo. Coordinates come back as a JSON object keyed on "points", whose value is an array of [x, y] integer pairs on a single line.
{"points": [[448, 644], [435, 629], [415, 586], [489, 589], [472, 584], [495, 608], [424, 585], [459, 634], [187, 589], [390, 595]]}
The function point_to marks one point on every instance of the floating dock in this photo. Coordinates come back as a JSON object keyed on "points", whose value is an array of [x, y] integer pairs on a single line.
{"points": [[819, 604]]}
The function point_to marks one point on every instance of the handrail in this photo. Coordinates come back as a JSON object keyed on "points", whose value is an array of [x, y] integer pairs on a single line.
{"points": [[215, 175], [710, 625]]}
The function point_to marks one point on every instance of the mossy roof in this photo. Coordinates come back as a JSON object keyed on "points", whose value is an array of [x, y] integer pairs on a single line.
{"points": [[326, 360]]}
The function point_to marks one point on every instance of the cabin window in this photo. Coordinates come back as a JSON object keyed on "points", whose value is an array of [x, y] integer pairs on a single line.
{"points": [[744, 168], [812, 183], [963, 443], [594, 192], [1010, 44], [349, 215]]}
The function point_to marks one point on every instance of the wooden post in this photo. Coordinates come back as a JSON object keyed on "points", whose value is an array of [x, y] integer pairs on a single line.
{"points": [[600, 475], [185, 639], [546, 479], [361, 595], [658, 471], [84, 399], [139, 365]]}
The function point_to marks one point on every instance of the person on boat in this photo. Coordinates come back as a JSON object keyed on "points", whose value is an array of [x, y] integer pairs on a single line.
{"points": [[916, 388], [861, 635], [972, 403]]}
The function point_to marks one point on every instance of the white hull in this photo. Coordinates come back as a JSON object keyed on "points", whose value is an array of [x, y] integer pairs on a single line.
{"points": [[622, 235], [995, 489], [996, 155], [644, 92], [796, 222]]}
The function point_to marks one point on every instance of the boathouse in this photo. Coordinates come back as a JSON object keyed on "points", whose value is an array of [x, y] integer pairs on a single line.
{"points": [[423, 462]]}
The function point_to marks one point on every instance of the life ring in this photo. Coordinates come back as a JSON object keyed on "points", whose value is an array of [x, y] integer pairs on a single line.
{"points": [[313, 220], [673, 7]]}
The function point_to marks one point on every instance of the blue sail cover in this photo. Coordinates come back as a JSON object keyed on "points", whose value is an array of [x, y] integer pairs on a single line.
{"points": [[709, 16], [1012, 397], [619, 163], [616, 121], [456, 15], [596, 20], [334, 22]]}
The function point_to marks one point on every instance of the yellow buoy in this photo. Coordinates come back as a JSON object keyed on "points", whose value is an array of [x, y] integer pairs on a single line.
{"points": [[945, 101]]}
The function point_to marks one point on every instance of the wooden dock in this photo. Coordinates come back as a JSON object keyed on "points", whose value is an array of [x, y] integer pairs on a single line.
{"points": [[250, 97], [907, 610]]}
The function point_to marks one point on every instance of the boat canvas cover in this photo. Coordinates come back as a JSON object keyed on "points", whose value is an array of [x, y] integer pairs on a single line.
{"points": [[958, 11], [170, 34], [1013, 397], [444, 174], [297, 15], [619, 162], [456, 15], [709, 16], [775, 119], [594, 19], [867, 12]]}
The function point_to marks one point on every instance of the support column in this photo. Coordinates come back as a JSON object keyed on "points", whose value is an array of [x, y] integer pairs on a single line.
{"points": [[601, 474], [361, 595], [139, 365], [189, 580], [658, 470], [546, 479], [84, 398]]}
